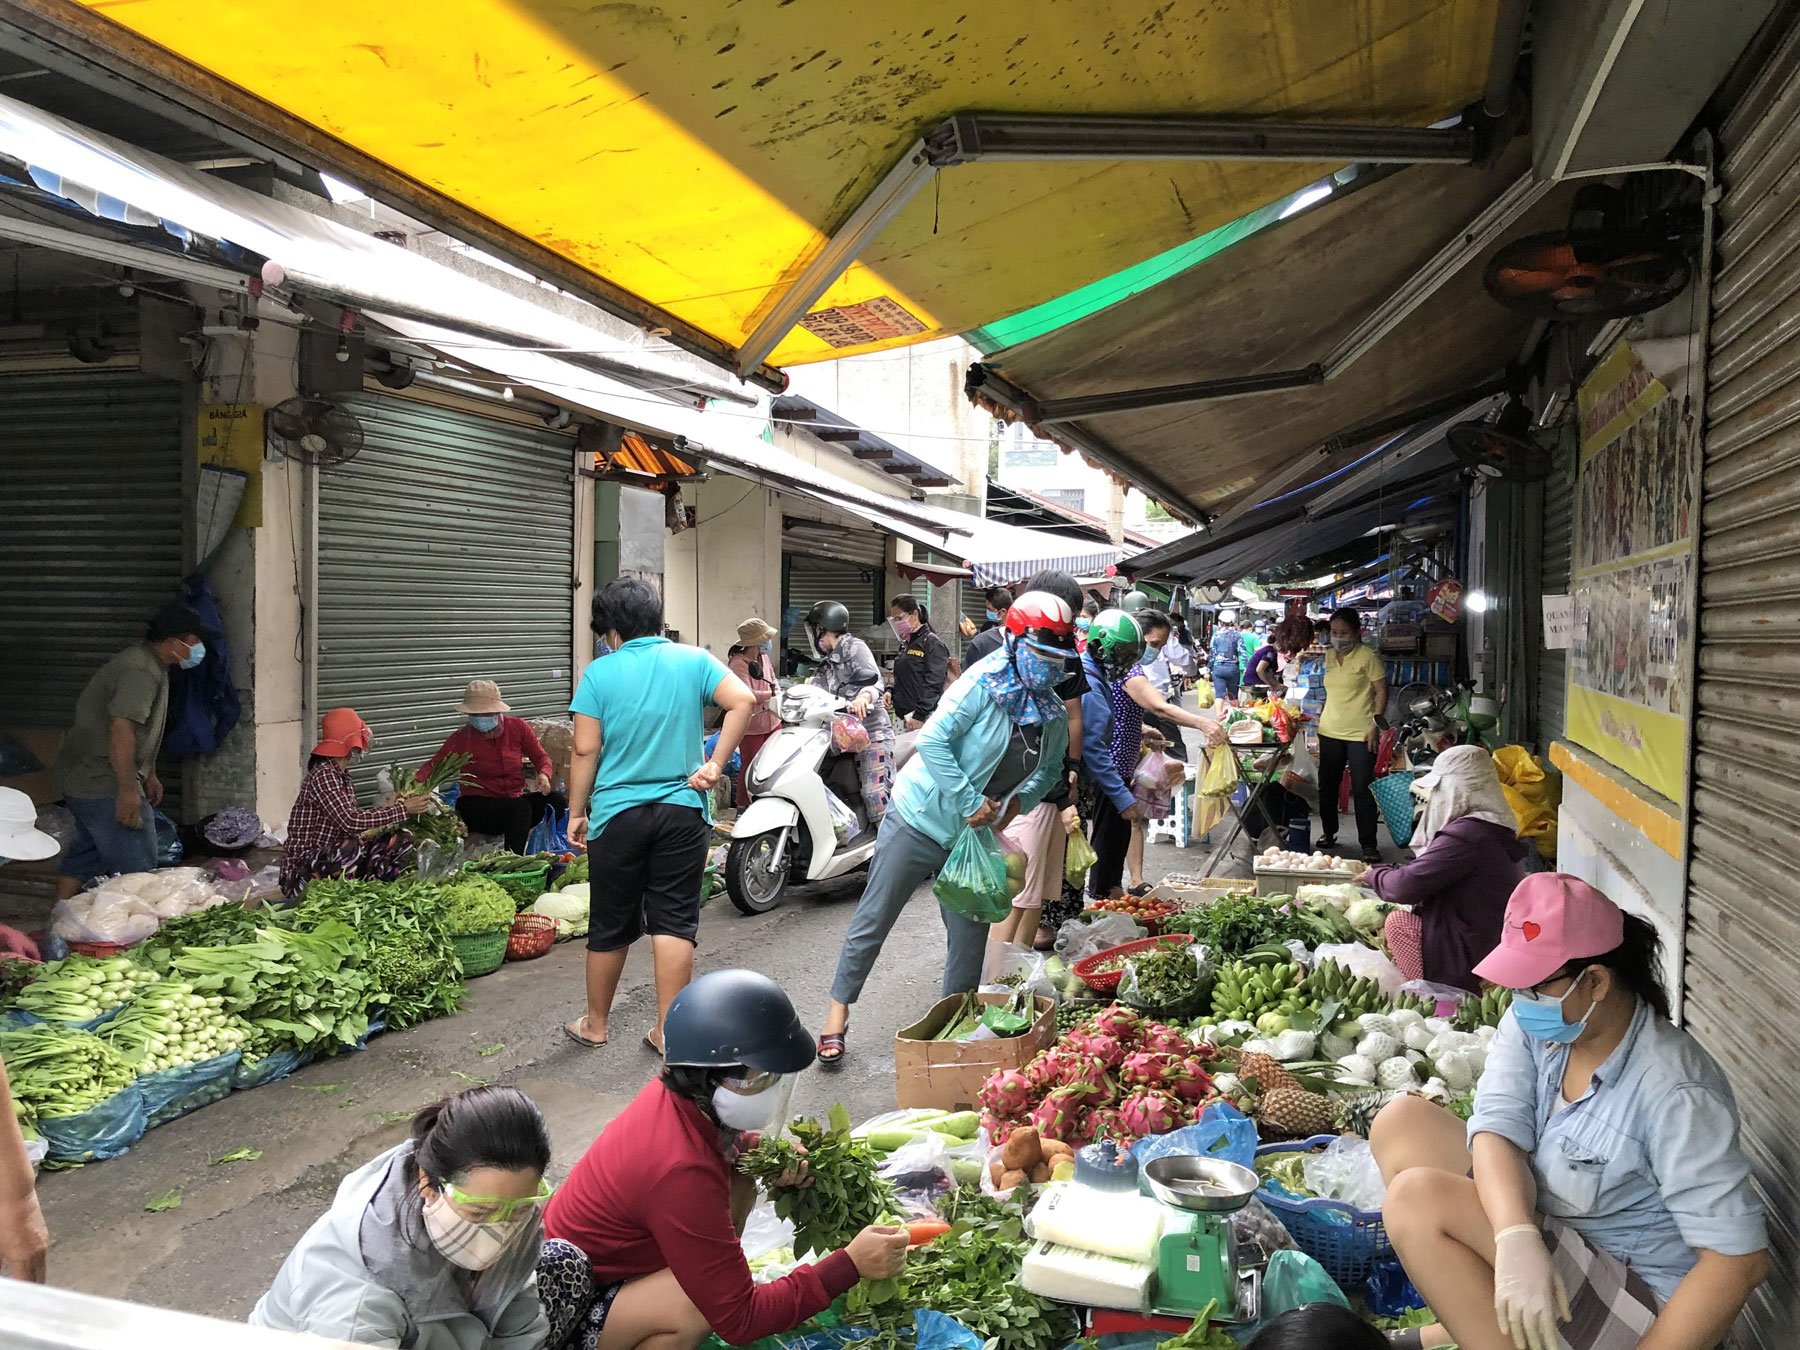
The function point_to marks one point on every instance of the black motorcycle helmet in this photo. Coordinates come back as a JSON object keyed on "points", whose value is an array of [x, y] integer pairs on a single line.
{"points": [[828, 616], [731, 1017]]}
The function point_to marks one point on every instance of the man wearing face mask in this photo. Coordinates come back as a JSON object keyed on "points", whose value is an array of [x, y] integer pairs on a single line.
{"points": [[107, 766], [922, 665], [993, 631], [435, 1244], [325, 829], [493, 798], [656, 1204], [1597, 1198]]}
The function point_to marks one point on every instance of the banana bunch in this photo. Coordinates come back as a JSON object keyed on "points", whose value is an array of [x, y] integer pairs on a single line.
{"points": [[1404, 1002], [1331, 982], [1247, 989], [1485, 1011]]}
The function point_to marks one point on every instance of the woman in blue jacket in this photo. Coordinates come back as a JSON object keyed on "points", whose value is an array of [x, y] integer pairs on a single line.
{"points": [[996, 746]]}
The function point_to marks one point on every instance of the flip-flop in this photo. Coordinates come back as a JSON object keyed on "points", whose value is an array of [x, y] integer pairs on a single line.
{"points": [[581, 1040], [832, 1040], [652, 1045]]}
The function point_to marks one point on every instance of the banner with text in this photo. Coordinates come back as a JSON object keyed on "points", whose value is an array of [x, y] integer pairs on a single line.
{"points": [[1630, 692]]}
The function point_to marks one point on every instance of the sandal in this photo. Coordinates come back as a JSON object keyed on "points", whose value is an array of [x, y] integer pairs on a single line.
{"points": [[832, 1040], [574, 1035], [1140, 890]]}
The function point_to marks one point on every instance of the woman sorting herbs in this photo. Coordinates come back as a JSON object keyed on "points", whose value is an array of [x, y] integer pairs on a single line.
{"points": [[996, 746], [1598, 1198], [326, 827]]}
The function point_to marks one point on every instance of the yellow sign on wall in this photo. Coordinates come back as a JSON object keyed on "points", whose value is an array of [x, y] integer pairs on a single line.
{"points": [[1631, 658], [230, 435]]}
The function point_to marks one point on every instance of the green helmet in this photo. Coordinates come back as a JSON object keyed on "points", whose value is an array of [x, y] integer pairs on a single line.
{"points": [[1116, 642], [1134, 601]]}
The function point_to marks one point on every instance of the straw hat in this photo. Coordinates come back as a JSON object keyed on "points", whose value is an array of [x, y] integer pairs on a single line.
{"points": [[482, 696], [754, 632]]}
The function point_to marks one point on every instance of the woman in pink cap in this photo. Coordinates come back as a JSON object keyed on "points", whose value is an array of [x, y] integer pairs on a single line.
{"points": [[1598, 1199]]}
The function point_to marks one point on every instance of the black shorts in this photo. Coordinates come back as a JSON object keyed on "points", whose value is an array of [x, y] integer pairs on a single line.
{"points": [[644, 875]]}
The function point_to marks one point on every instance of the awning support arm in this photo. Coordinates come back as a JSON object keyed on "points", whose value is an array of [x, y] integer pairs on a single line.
{"points": [[973, 138]]}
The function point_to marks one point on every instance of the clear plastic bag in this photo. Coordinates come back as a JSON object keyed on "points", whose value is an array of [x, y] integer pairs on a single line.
{"points": [[104, 915], [1009, 966], [1346, 1170], [1096, 931], [1077, 858], [1448, 996], [1221, 1132], [1190, 1005], [1363, 961], [974, 882], [1256, 1224], [843, 819], [848, 734], [921, 1173]]}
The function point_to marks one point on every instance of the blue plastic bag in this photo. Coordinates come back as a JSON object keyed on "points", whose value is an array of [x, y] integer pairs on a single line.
{"points": [[551, 834], [105, 1131], [1293, 1280], [1222, 1131], [973, 882], [733, 766], [170, 1094], [1389, 1293], [272, 1066], [168, 840]]}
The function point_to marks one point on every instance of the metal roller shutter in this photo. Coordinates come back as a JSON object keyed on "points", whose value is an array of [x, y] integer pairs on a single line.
{"points": [[446, 553], [91, 475], [806, 580], [1743, 924], [821, 539], [1557, 522]]}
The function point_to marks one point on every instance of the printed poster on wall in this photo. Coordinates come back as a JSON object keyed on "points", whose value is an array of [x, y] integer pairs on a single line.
{"points": [[1630, 652]]}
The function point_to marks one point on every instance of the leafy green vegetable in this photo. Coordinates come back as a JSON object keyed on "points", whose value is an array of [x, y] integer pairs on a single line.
{"points": [[844, 1197], [58, 1071], [1233, 924], [237, 1155], [167, 1200], [473, 904], [410, 966], [220, 926], [1202, 1335], [493, 1049], [300, 987]]}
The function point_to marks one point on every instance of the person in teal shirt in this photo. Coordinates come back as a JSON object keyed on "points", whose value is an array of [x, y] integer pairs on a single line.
{"points": [[996, 746], [639, 784]]}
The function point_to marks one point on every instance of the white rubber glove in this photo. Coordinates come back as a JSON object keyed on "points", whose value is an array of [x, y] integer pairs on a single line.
{"points": [[1529, 1298]]}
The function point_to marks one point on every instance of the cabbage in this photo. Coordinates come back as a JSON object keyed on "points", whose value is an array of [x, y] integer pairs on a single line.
{"points": [[1339, 895], [569, 907], [1366, 914]]}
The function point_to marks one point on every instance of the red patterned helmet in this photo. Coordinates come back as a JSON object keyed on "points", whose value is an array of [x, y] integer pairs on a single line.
{"points": [[1043, 617]]}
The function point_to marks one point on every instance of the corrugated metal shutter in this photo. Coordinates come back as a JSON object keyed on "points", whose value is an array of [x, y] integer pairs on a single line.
{"points": [[1743, 928], [1557, 521], [446, 552], [822, 539], [808, 580], [92, 547]]}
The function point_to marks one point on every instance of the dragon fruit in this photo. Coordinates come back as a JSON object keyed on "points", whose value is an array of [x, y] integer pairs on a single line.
{"points": [[1051, 1068], [998, 1130], [1060, 1115], [1105, 1124], [1109, 1050], [1121, 1023], [1165, 1040], [1148, 1111], [1007, 1094], [1189, 1080], [1146, 1068]]}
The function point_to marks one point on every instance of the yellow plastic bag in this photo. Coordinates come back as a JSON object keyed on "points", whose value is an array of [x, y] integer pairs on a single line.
{"points": [[1220, 777], [1203, 694], [1533, 795], [1077, 858]]}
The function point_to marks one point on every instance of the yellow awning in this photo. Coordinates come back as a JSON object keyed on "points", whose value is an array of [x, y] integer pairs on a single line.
{"points": [[697, 155]]}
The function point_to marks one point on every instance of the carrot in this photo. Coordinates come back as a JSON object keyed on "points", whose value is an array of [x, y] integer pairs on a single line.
{"points": [[921, 1231]]}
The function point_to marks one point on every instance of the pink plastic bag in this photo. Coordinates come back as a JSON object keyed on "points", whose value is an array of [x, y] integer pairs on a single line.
{"points": [[848, 735]]}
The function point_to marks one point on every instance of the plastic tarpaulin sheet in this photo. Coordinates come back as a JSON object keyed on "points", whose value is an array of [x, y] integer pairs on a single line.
{"points": [[697, 156]]}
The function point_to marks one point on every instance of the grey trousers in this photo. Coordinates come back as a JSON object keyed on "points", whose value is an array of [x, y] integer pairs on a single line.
{"points": [[904, 860]]}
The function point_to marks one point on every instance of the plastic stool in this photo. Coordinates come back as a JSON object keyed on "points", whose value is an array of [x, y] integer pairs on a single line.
{"points": [[1174, 826]]}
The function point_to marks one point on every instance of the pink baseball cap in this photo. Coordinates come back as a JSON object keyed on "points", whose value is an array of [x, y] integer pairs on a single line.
{"points": [[1551, 920]]}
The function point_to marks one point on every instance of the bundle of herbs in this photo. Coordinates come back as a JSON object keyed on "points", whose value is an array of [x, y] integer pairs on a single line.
{"points": [[410, 964], [822, 1181], [1233, 924], [438, 824], [295, 988]]}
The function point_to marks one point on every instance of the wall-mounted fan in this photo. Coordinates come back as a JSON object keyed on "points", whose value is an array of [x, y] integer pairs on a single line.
{"points": [[1209, 593], [1501, 449], [1600, 266], [312, 431]]}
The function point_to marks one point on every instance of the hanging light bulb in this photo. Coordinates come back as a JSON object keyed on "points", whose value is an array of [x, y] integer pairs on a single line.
{"points": [[1476, 602], [507, 393]]}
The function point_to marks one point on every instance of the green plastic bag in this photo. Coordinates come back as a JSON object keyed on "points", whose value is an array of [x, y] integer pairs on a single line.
{"points": [[973, 882], [1078, 857]]}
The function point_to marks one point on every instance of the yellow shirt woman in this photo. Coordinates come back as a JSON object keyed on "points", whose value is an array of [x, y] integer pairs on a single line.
{"points": [[1351, 679]]}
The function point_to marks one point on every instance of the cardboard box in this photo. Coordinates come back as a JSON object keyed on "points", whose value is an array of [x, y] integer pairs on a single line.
{"points": [[946, 1075]]}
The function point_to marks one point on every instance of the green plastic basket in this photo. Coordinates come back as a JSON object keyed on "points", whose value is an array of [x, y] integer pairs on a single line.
{"points": [[481, 953]]}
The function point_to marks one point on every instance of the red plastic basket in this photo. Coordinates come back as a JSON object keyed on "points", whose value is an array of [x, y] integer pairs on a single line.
{"points": [[532, 935], [1107, 981], [99, 950]]}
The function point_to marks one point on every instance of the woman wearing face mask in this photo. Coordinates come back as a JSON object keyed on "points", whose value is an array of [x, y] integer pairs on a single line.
{"points": [[1469, 859], [749, 661], [995, 748], [493, 798], [434, 1244], [1356, 696], [325, 828], [1601, 1200], [847, 668], [656, 1205]]}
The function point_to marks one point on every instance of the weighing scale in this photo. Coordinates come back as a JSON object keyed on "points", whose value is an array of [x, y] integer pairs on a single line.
{"points": [[1198, 1257]]}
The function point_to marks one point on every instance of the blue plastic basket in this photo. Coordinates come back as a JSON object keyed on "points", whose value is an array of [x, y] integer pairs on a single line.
{"points": [[1345, 1240]]}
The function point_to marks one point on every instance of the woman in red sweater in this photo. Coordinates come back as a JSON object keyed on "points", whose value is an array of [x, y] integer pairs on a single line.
{"points": [[655, 1205], [492, 799]]}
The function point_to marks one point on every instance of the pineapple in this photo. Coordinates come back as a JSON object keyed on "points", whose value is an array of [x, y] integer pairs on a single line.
{"points": [[1267, 1072], [1357, 1113], [1297, 1112]]}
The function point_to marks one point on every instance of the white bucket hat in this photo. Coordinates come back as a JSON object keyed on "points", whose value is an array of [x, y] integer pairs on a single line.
{"points": [[20, 838]]}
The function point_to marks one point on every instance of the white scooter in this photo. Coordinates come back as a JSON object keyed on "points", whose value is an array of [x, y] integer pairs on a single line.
{"points": [[790, 831]]}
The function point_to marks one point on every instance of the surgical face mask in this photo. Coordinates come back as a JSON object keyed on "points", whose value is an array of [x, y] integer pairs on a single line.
{"points": [[1037, 670], [1081, 624], [902, 628], [1153, 649], [465, 1243], [769, 646], [1540, 1016], [1342, 643], [196, 654], [485, 722], [748, 1103], [993, 617], [601, 647]]}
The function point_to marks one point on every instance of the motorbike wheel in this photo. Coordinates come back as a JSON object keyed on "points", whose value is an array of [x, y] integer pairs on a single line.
{"points": [[754, 878]]}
